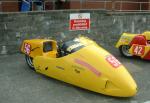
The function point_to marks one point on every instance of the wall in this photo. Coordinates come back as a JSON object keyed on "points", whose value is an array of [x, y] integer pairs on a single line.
{"points": [[106, 27], [125, 5], [9, 5]]}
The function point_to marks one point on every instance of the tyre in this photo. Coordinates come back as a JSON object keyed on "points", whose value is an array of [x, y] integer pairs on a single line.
{"points": [[124, 50], [29, 61]]}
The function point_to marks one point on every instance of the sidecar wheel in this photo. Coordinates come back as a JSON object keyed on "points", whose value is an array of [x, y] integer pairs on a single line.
{"points": [[124, 50], [29, 61]]}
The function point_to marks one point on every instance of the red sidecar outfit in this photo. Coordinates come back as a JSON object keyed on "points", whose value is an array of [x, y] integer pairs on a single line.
{"points": [[141, 40]]}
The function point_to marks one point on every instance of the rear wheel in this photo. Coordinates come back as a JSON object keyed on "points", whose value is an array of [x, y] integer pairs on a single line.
{"points": [[124, 50], [29, 61]]}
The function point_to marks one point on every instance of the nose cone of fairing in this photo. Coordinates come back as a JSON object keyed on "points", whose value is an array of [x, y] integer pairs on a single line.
{"points": [[121, 85], [119, 81]]}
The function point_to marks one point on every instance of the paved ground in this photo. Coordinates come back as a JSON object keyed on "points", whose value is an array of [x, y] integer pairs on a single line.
{"points": [[19, 84]]}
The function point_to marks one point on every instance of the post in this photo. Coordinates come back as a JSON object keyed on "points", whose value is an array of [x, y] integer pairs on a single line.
{"points": [[113, 5], [44, 5], [32, 4], [105, 4], [54, 6], [121, 6], [0, 6], [81, 4], [140, 6]]}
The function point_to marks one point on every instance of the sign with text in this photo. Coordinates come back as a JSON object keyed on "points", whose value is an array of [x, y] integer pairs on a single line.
{"points": [[80, 21]]}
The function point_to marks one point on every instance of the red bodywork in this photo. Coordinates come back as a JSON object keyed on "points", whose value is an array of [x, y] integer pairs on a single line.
{"points": [[141, 40]]}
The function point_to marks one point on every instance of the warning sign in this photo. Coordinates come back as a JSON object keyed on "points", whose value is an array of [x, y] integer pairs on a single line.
{"points": [[80, 21]]}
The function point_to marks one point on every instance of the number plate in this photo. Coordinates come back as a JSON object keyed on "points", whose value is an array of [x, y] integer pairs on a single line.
{"points": [[113, 61], [138, 50], [27, 48]]}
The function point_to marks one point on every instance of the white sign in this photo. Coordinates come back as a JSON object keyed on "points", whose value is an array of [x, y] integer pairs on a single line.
{"points": [[79, 21]]}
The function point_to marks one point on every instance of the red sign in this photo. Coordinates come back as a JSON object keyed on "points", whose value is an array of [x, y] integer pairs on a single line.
{"points": [[138, 50], [80, 21], [79, 24], [113, 61]]}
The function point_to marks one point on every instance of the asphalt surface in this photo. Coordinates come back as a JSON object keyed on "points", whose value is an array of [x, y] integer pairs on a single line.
{"points": [[19, 84]]}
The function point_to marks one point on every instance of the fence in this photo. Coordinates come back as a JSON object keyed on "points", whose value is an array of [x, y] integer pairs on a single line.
{"points": [[14, 6]]}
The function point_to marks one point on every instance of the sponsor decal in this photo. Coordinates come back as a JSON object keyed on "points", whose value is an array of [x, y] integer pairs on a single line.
{"points": [[27, 48], [74, 46], [113, 61], [77, 71], [125, 39], [38, 68], [60, 67], [77, 67], [88, 66]]}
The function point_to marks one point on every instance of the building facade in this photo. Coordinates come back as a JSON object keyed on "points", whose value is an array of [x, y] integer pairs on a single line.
{"points": [[121, 5]]}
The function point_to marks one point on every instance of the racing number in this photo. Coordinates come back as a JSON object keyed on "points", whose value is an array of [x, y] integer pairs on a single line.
{"points": [[138, 50], [27, 48], [113, 61]]}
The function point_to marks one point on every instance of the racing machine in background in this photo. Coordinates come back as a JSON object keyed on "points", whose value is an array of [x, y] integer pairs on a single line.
{"points": [[80, 62], [135, 45]]}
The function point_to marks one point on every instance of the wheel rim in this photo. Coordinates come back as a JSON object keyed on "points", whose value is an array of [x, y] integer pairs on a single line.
{"points": [[125, 50], [29, 61]]}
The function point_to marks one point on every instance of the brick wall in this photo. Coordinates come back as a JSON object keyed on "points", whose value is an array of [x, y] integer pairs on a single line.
{"points": [[50, 5], [129, 5], [9, 5]]}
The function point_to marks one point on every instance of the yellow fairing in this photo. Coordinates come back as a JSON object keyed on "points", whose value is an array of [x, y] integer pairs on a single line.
{"points": [[147, 49], [36, 48], [147, 35], [91, 68], [125, 39]]}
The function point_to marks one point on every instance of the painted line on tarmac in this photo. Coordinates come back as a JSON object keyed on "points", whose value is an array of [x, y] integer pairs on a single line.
{"points": [[140, 102], [147, 102]]}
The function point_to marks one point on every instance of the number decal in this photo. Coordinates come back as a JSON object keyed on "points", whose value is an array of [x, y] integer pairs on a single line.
{"points": [[138, 50], [27, 48], [113, 61]]}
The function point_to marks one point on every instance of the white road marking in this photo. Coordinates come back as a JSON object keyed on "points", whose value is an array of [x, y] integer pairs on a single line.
{"points": [[134, 102], [147, 102]]}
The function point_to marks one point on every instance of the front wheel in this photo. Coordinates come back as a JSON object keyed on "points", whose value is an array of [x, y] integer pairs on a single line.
{"points": [[29, 61], [124, 50]]}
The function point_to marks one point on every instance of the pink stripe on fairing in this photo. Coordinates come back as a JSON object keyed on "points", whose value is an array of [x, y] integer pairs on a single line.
{"points": [[87, 65]]}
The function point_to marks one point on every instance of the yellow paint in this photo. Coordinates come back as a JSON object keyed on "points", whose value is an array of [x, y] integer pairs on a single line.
{"points": [[37, 47], [125, 39], [86, 68], [147, 35]]}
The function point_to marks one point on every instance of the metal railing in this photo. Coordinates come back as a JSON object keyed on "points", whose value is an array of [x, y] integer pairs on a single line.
{"points": [[129, 6], [103, 3], [140, 6]]}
